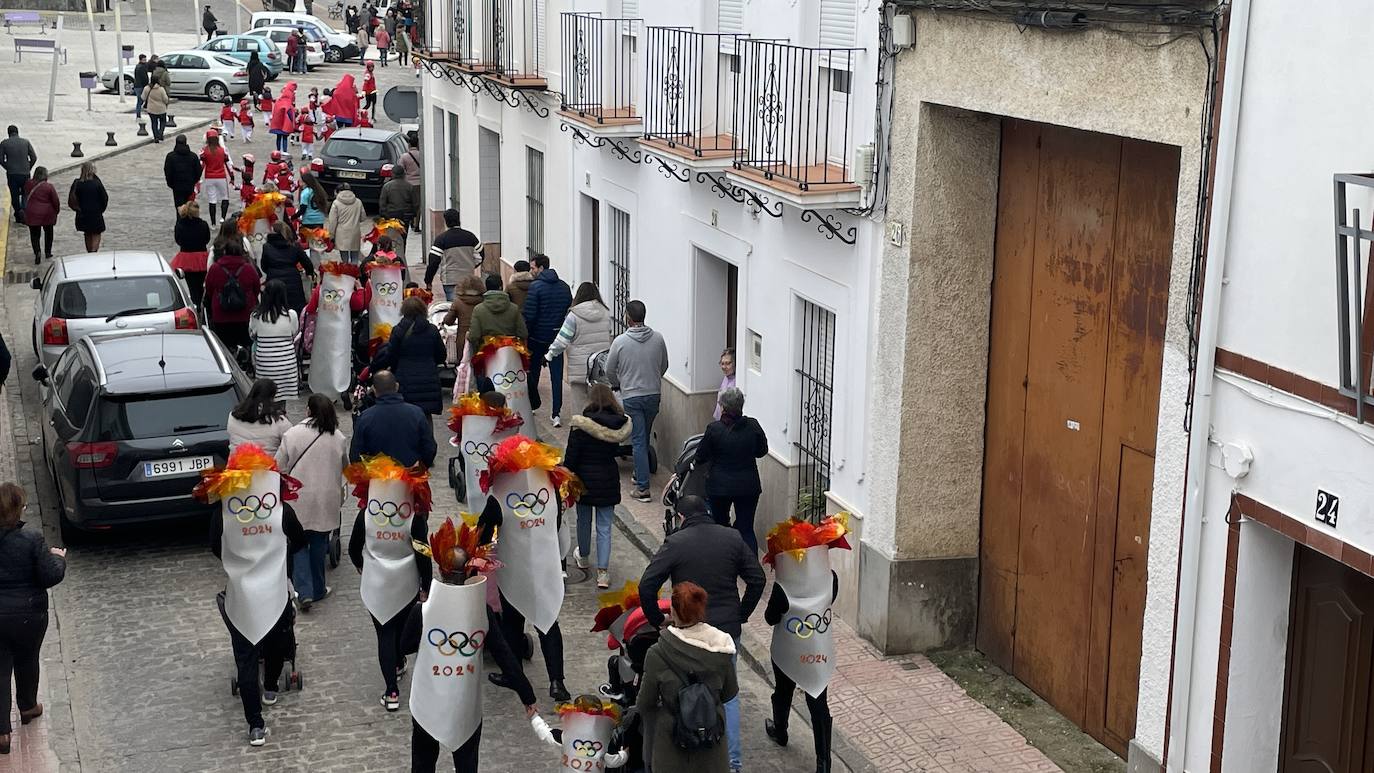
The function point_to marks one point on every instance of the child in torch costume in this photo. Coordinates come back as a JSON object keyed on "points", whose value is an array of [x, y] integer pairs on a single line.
{"points": [[799, 610], [506, 360], [253, 536], [393, 514], [383, 301], [479, 423], [330, 352], [449, 631], [525, 487], [585, 738]]}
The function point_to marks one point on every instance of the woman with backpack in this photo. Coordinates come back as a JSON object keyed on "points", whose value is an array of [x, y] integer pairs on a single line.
{"points": [[273, 328], [231, 286], [688, 676]]}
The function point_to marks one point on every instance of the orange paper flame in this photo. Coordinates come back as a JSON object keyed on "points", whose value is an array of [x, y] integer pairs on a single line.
{"points": [[521, 453], [466, 537], [472, 404], [263, 207], [614, 604], [493, 343], [237, 474], [383, 467], [794, 536], [339, 269], [587, 704]]}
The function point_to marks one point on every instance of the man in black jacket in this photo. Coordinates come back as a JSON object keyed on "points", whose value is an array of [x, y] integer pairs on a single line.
{"points": [[209, 23], [140, 83], [181, 170], [716, 558], [393, 427]]}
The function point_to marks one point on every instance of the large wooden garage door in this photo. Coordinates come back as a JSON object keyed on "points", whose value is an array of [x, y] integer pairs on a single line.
{"points": [[1084, 238], [1328, 726]]}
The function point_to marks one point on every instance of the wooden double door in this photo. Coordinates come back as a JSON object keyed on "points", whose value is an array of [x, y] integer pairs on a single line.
{"points": [[1084, 243]]}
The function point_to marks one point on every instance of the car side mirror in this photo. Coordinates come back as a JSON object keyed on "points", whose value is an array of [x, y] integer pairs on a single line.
{"points": [[40, 374], [36, 284]]}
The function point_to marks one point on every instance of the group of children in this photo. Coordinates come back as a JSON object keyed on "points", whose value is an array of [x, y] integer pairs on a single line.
{"points": [[311, 124]]}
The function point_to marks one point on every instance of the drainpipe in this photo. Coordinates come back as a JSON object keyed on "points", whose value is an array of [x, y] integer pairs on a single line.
{"points": [[1199, 441]]}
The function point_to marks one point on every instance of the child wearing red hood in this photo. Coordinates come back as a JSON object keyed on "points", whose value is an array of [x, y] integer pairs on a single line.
{"points": [[246, 120]]}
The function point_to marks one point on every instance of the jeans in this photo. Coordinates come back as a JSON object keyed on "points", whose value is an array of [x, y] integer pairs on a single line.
{"points": [[818, 707], [351, 256], [159, 125], [16, 183], [551, 643], [283, 143], [138, 101], [732, 719], [308, 574], [642, 410], [605, 515], [21, 639], [745, 507], [424, 751], [448, 292], [46, 232], [273, 650], [389, 646], [537, 363]]}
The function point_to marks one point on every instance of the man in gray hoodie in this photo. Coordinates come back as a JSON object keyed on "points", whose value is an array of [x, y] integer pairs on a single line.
{"points": [[635, 366]]}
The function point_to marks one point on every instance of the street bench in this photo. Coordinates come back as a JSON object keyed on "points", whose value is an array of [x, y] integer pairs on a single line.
{"points": [[37, 46], [15, 18]]}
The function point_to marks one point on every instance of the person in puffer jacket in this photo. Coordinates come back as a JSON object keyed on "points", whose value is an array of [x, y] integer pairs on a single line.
{"points": [[544, 309], [586, 330]]}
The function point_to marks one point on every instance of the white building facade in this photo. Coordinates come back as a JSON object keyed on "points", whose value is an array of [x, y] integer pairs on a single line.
{"points": [[699, 156]]}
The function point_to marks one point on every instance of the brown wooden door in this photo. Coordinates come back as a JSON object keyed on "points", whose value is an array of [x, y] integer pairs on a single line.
{"points": [[1080, 290], [1326, 712]]}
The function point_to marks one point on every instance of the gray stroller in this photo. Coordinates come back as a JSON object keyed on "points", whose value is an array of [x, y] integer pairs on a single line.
{"points": [[596, 374]]}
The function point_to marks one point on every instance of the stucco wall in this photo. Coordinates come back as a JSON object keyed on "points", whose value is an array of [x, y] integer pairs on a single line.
{"points": [[1097, 80]]}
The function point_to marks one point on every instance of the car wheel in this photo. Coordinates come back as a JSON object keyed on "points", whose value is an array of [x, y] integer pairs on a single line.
{"points": [[334, 55], [128, 84], [216, 92], [71, 535], [272, 77]]}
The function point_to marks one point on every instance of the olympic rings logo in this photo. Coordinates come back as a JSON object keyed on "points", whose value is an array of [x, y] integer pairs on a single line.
{"points": [[456, 643], [475, 448], [508, 378], [388, 288], [525, 505], [384, 513], [806, 627], [252, 508], [331, 295], [586, 748]]}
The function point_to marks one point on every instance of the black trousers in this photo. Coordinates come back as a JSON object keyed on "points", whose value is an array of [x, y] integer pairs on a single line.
{"points": [[21, 638], [44, 231], [551, 643], [180, 197], [232, 334], [389, 646], [499, 649], [819, 708], [16, 183], [745, 507], [273, 651], [424, 751]]}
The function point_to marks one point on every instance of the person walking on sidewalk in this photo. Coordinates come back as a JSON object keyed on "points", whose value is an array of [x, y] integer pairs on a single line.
{"points": [[18, 157], [209, 23], [40, 212], [88, 199], [345, 223], [593, 445], [140, 83], [732, 447], [586, 330], [495, 316], [231, 286], [635, 366], [315, 452], [181, 169], [518, 284], [715, 557], [452, 255], [545, 309], [155, 98], [215, 175], [192, 236], [28, 567]]}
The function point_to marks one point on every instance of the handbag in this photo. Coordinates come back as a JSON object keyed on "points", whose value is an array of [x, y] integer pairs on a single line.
{"points": [[308, 333]]}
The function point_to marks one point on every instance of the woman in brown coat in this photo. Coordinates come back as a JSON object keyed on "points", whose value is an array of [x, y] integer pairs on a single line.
{"points": [[40, 212], [465, 298]]}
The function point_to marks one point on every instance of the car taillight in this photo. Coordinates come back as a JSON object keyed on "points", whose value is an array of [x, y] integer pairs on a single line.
{"points": [[241, 74], [91, 456], [317, 165], [185, 319], [55, 332], [272, 57]]}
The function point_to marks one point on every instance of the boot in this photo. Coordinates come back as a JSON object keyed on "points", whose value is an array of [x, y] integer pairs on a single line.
{"points": [[775, 731], [30, 715]]}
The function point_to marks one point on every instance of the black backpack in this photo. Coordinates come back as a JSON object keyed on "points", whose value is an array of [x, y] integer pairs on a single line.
{"points": [[231, 295], [697, 723]]}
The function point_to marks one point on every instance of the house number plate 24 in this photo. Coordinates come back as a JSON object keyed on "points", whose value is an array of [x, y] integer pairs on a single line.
{"points": [[1328, 508]]}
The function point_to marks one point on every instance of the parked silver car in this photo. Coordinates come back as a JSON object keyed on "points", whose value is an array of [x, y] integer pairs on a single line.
{"points": [[195, 74], [99, 291]]}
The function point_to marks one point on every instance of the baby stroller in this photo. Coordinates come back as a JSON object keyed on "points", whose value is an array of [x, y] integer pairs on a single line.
{"points": [[453, 348], [624, 670], [596, 374], [292, 679], [687, 479]]}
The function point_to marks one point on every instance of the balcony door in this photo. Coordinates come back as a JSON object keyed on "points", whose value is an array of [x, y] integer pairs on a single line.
{"points": [[489, 203]]}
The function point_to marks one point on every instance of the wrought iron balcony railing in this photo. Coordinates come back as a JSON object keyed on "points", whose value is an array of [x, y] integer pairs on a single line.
{"points": [[689, 97], [457, 37], [513, 42], [793, 117], [600, 70]]}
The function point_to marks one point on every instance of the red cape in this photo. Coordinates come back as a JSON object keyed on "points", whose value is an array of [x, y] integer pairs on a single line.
{"points": [[281, 110], [344, 102]]}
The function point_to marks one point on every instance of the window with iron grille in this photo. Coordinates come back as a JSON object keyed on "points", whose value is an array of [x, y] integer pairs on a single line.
{"points": [[618, 233], [453, 160], [534, 201], [815, 399]]}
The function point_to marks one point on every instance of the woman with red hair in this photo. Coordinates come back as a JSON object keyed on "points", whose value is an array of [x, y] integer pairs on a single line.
{"points": [[343, 102]]}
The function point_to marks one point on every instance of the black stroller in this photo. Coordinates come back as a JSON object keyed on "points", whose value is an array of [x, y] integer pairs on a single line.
{"points": [[624, 671], [291, 674], [596, 374], [687, 479]]}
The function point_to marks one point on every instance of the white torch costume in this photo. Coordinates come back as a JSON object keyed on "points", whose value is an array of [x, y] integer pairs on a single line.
{"points": [[330, 355], [530, 575], [390, 578], [803, 642], [253, 550], [446, 689], [384, 304], [506, 369], [586, 738], [478, 435]]}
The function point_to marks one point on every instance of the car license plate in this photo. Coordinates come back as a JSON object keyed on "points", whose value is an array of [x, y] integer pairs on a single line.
{"points": [[353, 175], [165, 468]]}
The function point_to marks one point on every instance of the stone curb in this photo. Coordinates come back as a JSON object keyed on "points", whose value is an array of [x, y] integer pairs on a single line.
{"points": [[182, 127], [753, 653]]}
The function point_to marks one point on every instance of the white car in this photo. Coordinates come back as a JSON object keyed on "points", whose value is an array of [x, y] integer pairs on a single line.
{"points": [[341, 45], [106, 291], [314, 50], [194, 73]]}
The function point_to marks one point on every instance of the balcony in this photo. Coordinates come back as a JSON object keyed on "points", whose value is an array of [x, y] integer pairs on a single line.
{"points": [[689, 110], [513, 44], [793, 119], [600, 75], [1355, 290]]}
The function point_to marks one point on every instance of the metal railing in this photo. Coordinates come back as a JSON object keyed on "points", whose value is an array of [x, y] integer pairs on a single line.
{"points": [[690, 89], [1355, 292], [511, 42], [792, 113], [599, 67], [458, 42], [816, 375]]}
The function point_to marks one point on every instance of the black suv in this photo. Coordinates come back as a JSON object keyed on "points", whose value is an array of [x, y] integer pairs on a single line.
{"points": [[132, 419], [356, 157]]}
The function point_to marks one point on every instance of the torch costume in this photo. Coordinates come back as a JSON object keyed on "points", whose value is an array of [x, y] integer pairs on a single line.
{"points": [[585, 737], [477, 429], [330, 352], [383, 303], [800, 611], [506, 361]]}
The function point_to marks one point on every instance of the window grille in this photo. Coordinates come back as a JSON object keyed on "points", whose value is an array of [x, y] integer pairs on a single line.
{"points": [[1354, 291], [534, 201], [619, 233], [815, 376]]}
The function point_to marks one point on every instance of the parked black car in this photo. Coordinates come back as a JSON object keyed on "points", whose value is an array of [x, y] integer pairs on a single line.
{"points": [[356, 157], [131, 420]]}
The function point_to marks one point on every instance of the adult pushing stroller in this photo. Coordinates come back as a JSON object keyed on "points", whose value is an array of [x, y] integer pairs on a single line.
{"points": [[624, 672], [291, 678], [596, 374]]}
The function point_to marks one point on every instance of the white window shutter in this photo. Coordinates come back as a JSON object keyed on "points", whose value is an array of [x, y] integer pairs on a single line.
{"points": [[629, 9], [541, 44], [838, 23], [730, 16]]}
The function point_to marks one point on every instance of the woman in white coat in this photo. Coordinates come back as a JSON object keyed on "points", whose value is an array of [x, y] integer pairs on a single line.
{"points": [[586, 330], [315, 452]]}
